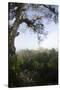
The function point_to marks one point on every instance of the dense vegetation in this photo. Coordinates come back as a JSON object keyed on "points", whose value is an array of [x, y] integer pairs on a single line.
{"points": [[34, 68]]}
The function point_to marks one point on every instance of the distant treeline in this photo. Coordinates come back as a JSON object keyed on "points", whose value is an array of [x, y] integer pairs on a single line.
{"points": [[34, 68]]}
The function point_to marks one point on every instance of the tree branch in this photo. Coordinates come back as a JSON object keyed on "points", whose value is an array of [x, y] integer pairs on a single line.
{"points": [[50, 8]]}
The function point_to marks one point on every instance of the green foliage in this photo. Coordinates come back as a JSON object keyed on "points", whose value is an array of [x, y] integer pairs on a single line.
{"points": [[34, 68]]}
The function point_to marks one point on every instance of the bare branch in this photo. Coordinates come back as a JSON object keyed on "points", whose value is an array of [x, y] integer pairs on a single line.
{"points": [[50, 8]]}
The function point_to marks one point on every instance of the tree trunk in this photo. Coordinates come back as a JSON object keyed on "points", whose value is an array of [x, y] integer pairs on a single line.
{"points": [[12, 63]]}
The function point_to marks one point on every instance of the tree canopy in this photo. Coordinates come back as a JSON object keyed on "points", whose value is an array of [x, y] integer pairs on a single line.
{"points": [[31, 14], [18, 12]]}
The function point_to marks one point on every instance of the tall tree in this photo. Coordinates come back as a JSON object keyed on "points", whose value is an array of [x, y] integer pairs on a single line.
{"points": [[17, 12]]}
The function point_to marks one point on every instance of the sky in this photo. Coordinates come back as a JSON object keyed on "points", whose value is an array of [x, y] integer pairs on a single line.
{"points": [[27, 39]]}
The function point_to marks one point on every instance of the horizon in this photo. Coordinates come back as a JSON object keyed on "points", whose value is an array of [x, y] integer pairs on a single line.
{"points": [[38, 49]]}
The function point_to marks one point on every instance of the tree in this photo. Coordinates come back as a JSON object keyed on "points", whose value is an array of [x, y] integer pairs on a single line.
{"points": [[17, 12]]}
